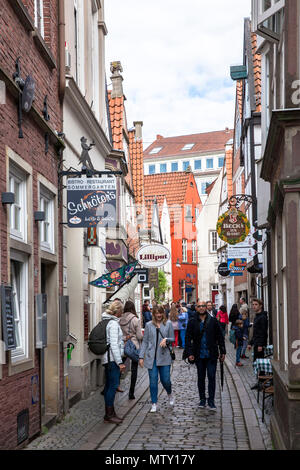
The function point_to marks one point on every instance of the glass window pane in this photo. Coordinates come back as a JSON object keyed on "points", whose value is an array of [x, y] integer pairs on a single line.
{"points": [[209, 163], [151, 169], [185, 165], [197, 164], [175, 166], [163, 168]]}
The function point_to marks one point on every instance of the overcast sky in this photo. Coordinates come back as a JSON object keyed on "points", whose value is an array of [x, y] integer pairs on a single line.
{"points": [[176, 57]]}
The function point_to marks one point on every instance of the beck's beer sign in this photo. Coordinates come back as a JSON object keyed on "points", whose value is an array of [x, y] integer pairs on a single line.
{"points": [[233, 226]]}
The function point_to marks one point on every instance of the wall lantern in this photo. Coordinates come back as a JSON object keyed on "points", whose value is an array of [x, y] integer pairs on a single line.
{"points": [[39, 216], [178, 265], [8, 198]]}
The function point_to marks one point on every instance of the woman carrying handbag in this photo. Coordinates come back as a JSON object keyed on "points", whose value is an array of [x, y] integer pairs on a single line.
{"points": [[131, 328], [155, 354]]}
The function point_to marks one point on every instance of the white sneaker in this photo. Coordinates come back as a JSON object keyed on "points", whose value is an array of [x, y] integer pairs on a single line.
{"points": [[153, 408], [172, 400]]}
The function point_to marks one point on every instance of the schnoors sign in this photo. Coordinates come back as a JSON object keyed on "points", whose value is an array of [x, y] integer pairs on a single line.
{"points": [[91, 202], [153, 256]]}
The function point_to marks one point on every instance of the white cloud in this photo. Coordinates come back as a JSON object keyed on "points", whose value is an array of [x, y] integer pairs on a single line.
{"points": [[176, 57]]}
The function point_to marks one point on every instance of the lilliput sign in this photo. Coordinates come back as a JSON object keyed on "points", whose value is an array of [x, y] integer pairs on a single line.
{"points": [[233, 226], [91, 202], [153, 256]]}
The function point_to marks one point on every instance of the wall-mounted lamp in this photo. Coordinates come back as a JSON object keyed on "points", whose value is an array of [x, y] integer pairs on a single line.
{"points": [[8, 198], [39, 216], [178, 265]]}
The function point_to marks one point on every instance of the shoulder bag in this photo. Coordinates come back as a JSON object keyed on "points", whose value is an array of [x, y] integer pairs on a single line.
{"points": [[172, 353], [130, 349]]}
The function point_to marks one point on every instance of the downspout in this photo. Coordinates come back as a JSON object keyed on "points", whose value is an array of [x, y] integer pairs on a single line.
{"points": [[62, 39], [269, 271]]}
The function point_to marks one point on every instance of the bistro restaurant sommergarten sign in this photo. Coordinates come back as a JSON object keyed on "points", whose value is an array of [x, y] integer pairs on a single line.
{"points": [[233, 226], [91, 202]]}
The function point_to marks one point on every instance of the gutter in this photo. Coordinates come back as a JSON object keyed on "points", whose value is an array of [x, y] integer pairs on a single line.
{"points": [[62, 39]]}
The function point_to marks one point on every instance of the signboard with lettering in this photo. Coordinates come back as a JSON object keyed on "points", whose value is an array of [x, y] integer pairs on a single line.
{"points": [[233, 226], [91, 202], [237, 266], [153, 256], [8, 321]]}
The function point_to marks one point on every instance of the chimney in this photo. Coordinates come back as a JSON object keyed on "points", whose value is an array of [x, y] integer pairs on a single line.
{"points": [[117, 79], [138, 130], [159, 137]]}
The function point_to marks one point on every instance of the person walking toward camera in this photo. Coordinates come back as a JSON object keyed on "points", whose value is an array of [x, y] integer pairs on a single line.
{"points": [[112, 359], [204, 345], [239, 337], [173, 317], [131, 328], [155, 354]]}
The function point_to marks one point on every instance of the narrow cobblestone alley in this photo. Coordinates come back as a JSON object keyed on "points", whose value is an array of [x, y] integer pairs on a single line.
{"points": [[181, 427]]}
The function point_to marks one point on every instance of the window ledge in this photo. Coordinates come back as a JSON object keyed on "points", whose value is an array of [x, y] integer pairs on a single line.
{"points": [[22, 13], [20, 246], [44, 49]]}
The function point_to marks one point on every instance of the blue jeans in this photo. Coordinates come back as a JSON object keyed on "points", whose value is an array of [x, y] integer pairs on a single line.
{"points": [[209, 365], [245, 344], [164, 374], [182, 336], [238, 353], [112, 380]]}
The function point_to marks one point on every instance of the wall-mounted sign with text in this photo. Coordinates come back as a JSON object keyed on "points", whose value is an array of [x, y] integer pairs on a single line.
{"points": [[153, 256], [237, 266], [233, 226], [91, 202]]}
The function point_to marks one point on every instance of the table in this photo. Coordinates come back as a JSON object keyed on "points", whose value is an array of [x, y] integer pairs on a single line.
{"points": [[262, 365]]}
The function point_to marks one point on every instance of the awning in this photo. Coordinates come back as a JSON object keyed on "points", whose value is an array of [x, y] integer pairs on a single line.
{"points": [[126, 292]]}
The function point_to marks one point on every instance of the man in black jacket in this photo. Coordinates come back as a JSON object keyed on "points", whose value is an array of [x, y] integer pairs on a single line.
{"points": [[204, 344], [260, 330]]}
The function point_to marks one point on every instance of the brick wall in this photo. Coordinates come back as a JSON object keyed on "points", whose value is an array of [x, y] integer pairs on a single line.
{"points": [[16, 390]]}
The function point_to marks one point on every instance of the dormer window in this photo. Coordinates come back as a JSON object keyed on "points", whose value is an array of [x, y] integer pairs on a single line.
{"points": [[155, 150], [188, 147]]}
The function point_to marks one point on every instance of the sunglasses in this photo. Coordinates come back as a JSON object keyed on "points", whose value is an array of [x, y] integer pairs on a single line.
{"points": [[201, 306]]}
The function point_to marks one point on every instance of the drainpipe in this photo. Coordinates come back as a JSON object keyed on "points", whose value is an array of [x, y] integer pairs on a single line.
{"points": [[269, 271], [62, 40]]}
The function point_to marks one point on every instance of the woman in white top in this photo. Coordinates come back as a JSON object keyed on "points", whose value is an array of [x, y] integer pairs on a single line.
{"points": [[112, 359]]}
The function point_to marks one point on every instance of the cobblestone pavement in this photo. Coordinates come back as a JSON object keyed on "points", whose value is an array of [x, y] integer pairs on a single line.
{"points": [[182, 427], [248, 378]]}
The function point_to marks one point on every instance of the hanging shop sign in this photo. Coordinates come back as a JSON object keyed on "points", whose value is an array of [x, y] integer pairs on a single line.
{"points": [[233, 226], [153, 256], [237, 266], [115, 278], [8, 320], [223, 270], [91, 202]]}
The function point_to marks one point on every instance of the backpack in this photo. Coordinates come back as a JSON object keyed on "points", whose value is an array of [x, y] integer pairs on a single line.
{"points": [[97, 341], [232, 337]]}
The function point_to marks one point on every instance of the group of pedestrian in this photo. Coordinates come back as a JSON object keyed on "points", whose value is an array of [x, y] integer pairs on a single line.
{"points": [[202, 340]]}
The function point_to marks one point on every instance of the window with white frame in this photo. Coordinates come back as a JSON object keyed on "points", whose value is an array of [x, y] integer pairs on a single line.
{"points": [[267, 16], [155, 150], [47, 226], [18, 210], [39, 16], [194, 251], [213, 240], [184, 251], [188, 147], [19, 283]]}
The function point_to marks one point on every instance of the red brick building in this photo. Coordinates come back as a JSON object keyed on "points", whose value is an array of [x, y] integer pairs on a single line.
{"points": [[181, 193], [31, 250]]}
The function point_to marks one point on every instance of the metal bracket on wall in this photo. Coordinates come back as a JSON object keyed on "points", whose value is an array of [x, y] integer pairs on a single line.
{"points": [[237, 199]]}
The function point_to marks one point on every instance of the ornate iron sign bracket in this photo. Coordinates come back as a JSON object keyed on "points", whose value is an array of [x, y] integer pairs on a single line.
{"points": [[238, 199]]}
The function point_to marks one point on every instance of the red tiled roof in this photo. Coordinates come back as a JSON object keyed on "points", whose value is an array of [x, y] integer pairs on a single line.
{"points": [[137, 167], [173, 186], [204, 142]]}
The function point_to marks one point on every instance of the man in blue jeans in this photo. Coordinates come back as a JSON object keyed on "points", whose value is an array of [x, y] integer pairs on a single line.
{"points": [[204, 345]]}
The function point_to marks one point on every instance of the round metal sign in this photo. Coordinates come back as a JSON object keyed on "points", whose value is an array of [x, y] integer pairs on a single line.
{"points": [[153, 256], [233, 226], [223, 270], [28, 94]]}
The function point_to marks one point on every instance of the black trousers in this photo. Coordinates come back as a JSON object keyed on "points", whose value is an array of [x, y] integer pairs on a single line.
{"points": [[257, 355], [134, 370]]}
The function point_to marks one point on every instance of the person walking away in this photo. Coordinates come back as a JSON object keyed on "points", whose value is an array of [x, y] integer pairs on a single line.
{"points": [[112, 359], [205, 345], [146, 313], [209, 307], [234, 315], [183, 319], [167, 310], [222, 317], [131, 328], [191, 310], [243, 305], [246, 326], [238, 328], [260, 332], [155, 355], [173, 317]]}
